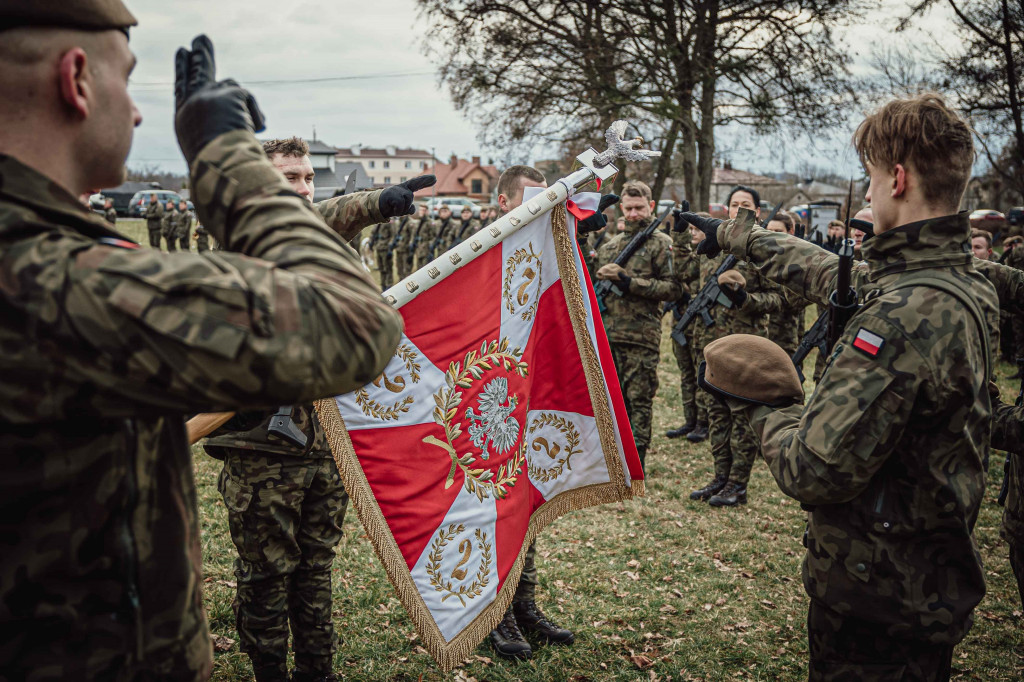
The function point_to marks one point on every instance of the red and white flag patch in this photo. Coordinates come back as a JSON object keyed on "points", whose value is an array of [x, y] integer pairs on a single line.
{"points": [[869, 342]]}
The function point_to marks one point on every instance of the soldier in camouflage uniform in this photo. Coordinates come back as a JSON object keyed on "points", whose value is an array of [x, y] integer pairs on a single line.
{"points": [[380, 240], [183, 226], [202, 239], [154, 220], [1015, 259], [687, 266], [524, 614], [467, 227], [402, 254], [786, 325], [108, 346], [444, 235], [422, 237], [734, 445], [633, 320], [890, 450], [169, 226]]}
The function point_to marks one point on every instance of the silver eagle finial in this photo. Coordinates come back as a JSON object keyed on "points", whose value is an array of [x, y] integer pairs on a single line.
{"points": [[619, 148]]}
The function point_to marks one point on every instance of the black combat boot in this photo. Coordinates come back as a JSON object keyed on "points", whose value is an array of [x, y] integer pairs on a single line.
{"points": [[508, 641], [310, 668], [266, 669], [731, 495], [699, 433], [299, 676], [710, 489], [681, 431], [532, 620]]}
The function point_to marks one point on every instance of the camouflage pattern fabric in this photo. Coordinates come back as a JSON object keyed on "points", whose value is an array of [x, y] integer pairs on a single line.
{"points": [[169, 230], [846, 649], [444, 235], [635, 317], [637, 370], [350, 213], [154, 220], [1016, 260], [422, 238], [687, 265], [786, 325], [106, 349], [403, 258], [890, 448], [202, 239], [527, 588], [380, 238], [734, 446], [1008, 435], [285, 516], [250, 430], [183, 229], [466, 229]]}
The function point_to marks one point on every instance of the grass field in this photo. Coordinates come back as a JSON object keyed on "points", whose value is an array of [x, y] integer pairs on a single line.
{"points": [[660, 588]]}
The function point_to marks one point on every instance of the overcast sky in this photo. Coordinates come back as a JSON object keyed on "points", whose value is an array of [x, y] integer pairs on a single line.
{"points": [[273, 40]]}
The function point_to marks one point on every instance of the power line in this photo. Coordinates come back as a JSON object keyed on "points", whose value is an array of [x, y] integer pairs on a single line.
{"points": [[289, 81]]}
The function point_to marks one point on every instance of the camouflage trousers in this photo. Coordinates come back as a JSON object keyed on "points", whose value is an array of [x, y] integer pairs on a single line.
{"points": [[527, 588], [637, 369], [851, 650], [154, 236], [734, 445], [285, 515], [385, 261], [1017, 564], [403, 263], [692, 411]]}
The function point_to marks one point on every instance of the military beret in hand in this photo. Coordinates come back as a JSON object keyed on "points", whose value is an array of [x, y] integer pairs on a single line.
{"points": [[750, 369], [733, 284]]}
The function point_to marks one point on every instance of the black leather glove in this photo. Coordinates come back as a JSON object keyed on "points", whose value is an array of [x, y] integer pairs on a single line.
{"points": [[624, 282], [598, 220], [678, 221], [709, 226], [737, 296], [204, 108], [397, 199]]}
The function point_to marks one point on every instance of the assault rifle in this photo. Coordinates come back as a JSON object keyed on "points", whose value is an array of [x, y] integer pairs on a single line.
{"points": [[842, 303], [607, 286], [440, 235], [398, 235], [711, 295], [1005, 489]]}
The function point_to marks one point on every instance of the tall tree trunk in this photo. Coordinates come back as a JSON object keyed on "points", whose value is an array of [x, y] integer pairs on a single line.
{"points": [[665, 162]]}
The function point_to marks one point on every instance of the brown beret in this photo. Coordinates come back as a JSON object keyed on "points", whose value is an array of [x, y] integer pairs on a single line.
{"points": [[91, 15], [734, 278], [1012, 240], [750, 368]]}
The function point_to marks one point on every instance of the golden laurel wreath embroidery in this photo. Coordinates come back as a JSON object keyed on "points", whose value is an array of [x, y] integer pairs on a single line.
{"points": [[522, 297], [440, 584], [481, 482], [541, 445], [377, 410]]}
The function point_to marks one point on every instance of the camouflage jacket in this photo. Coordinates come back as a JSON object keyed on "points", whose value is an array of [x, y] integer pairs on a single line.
{"points": [[350, 213], [890, 447], [182, 223], [154, 214], [422, 237], [106, 348], [381, 235], [168, 222], [763, 298], [444, 235], [406, 225], [250, 430], [1008, 435], [786, 324], [465, 229], [635, 317]]}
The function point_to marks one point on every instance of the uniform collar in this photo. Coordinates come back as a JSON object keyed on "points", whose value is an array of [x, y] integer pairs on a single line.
{"points": [[932, 242], [28, 187], [628, 229]]}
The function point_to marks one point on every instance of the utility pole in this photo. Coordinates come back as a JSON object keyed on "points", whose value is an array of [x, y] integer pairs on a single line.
{"points": [[433, 161]]}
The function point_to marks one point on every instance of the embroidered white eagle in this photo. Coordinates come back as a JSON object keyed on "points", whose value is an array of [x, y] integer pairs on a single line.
{"points": [[494, 424]]}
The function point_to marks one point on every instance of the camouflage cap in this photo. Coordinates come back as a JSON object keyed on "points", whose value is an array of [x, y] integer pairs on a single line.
{"points": [[732, 278], [752, 369], [91, 15]]}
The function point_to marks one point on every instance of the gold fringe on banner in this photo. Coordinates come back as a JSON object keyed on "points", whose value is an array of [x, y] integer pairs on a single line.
{"points": [[451, 654]]}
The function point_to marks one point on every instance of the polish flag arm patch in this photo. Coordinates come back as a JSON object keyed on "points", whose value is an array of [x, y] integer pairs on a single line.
{"points": [[868, 341]]}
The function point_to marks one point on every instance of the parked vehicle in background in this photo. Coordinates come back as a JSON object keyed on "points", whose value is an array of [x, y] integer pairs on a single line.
{"points": [[988, 220], [1015, 218], [719, 211], [454, 203], [96, 201], [137, 205]]}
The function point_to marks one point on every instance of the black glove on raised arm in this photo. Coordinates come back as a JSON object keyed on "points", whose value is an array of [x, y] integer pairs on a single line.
{"points": [[204, 108], [598, 220], [397, 199], [709, 226]]}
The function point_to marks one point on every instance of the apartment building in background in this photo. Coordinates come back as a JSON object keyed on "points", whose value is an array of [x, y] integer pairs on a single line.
{"points": [[388, 165]]}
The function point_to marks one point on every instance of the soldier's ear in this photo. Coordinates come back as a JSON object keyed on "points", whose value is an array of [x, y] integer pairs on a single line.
{"points": [[74, 81]]}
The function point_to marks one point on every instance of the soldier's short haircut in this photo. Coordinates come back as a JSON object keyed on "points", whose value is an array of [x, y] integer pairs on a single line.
{"points": [[925, 135], [508, 183], [292, 146], [636, 188], [975, 233], [755, 195], [786, 218]]}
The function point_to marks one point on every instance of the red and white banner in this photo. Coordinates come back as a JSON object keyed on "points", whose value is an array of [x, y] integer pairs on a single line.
{"points": [[499, 412]]}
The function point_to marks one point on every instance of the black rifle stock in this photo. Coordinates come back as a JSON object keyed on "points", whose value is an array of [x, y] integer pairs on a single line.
{"points": [[709, 296], [606, 286]]}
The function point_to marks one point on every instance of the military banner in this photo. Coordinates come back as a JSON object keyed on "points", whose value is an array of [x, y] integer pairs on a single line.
{"points": [[499, 412]]}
